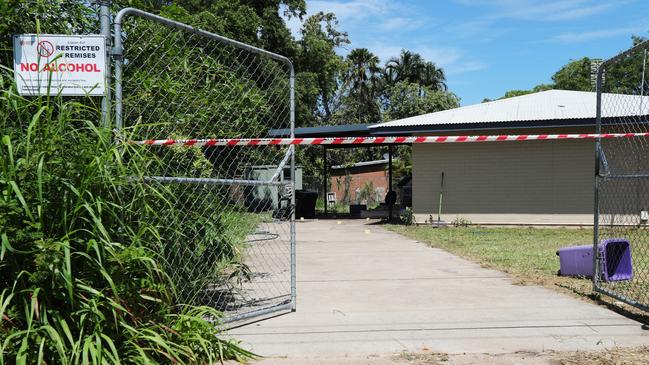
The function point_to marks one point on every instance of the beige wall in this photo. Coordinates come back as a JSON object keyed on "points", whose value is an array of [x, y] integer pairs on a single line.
{"points": [[533, 182]]}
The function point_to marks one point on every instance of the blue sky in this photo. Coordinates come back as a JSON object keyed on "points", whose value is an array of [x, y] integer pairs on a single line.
{"points": [[490, 46]]}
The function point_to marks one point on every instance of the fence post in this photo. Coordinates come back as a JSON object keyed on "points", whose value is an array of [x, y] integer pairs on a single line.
{"points": [[117, 53], [598, 152], [104, 29], [292, 228]]}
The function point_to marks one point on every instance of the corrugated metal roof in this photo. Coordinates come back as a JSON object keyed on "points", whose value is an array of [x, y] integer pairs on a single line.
{"points": [[544, 105]]}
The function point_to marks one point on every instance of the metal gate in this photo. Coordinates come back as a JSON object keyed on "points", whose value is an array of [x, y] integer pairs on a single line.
{"points": [[621, 233], [227, 211]]}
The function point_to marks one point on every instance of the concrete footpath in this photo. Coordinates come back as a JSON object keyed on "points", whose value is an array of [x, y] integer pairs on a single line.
{"points": [[363, 290]]}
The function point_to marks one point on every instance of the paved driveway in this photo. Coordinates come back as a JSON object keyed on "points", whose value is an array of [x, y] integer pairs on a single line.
{"points": [[365, 290]]}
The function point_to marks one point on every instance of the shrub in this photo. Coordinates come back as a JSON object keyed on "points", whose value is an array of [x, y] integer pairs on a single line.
{"points": [[407, 217], [80, 266], [461, 222]]}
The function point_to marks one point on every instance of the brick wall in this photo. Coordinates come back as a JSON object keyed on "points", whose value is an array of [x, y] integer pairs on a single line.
{"points": [[358, 177]]}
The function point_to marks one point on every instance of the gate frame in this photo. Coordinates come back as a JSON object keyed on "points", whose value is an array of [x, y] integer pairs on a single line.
{"points": [[601, 162], [116, 54]]}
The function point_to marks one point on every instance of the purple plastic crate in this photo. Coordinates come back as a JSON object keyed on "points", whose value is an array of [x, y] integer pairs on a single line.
{"points": [[616, 260]]}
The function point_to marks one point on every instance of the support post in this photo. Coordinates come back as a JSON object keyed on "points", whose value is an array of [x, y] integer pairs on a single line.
{"points": [[598, 154], [117, 54], [390, 205], [293, 233], [104, 28], [324, 178]]}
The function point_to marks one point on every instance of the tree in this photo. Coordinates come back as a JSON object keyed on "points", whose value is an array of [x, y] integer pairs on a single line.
{"points": [[433, 77], [362, 80], [625, 76], [407, 67], [535, 89], [273, 34], [410, 99], [574, 76], [317, 55], [411, 67]]}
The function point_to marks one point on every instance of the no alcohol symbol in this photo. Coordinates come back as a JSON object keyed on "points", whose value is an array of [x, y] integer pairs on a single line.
{"points": [[45, 48]]}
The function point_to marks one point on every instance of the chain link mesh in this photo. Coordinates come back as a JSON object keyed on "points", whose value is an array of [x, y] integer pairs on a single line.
{"points": [[227, 209], [622, 212]]}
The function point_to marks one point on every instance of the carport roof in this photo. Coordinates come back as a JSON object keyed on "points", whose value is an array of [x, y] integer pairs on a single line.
{"points": [[546, 108], [347, 130]]}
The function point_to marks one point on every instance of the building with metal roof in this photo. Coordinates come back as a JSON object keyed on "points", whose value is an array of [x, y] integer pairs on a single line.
{"points": [[528, 183], [551, 108], [524, 182]]}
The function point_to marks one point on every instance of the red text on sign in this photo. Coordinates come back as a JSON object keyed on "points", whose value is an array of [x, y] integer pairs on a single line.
{"points": [[61, 67]]}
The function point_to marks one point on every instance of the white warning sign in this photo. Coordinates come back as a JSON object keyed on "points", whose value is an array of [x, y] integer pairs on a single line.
{"points": [[60, 64]]}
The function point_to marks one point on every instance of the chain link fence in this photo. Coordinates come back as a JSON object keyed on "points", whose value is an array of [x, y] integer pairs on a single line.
{"points": [[622, 183], [227, 210]]}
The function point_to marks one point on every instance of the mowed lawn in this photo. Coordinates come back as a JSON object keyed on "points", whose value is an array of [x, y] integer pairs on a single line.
{"points": [[529, 253]]}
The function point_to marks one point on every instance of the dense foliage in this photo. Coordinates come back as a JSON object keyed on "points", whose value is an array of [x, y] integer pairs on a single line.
{"points": [[79, 255]]}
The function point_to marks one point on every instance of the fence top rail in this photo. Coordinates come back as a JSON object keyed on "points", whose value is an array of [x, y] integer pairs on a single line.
{"points": [[232, 142], [638, 47], [122, 14]]}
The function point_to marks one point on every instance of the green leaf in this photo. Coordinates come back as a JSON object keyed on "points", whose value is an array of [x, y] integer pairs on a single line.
{"points": [[20, 197]]}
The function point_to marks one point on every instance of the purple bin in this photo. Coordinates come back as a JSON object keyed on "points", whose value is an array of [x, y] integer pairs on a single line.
{"points": [[616, 260]]}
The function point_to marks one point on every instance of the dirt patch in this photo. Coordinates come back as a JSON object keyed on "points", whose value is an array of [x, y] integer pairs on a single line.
{"points": [[422, 358], [615, 356], [517, 358]]}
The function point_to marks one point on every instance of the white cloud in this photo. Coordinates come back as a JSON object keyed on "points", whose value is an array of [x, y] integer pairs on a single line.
{"points": [[384, 51], [572, 13], [464, 67], [593, 35], [496, 13], [402, 24], [442, 56], [375, 25], [353, 9], [543, 10], [451, 59], [348, 13]]}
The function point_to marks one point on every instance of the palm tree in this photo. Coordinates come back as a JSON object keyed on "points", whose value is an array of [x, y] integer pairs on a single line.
{"points": [[363, 71], [363, 79], [407, 67], [411, 67], [433, 77]]}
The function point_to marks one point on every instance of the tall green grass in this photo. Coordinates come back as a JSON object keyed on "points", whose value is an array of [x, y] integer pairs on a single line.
{"points": [[81, 279]]}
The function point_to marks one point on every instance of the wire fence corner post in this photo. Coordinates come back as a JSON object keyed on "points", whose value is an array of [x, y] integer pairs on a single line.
{"points": [[104, 29]]}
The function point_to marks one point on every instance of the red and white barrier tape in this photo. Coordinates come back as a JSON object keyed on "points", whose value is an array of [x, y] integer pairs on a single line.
{"points": [[231, 142]]}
